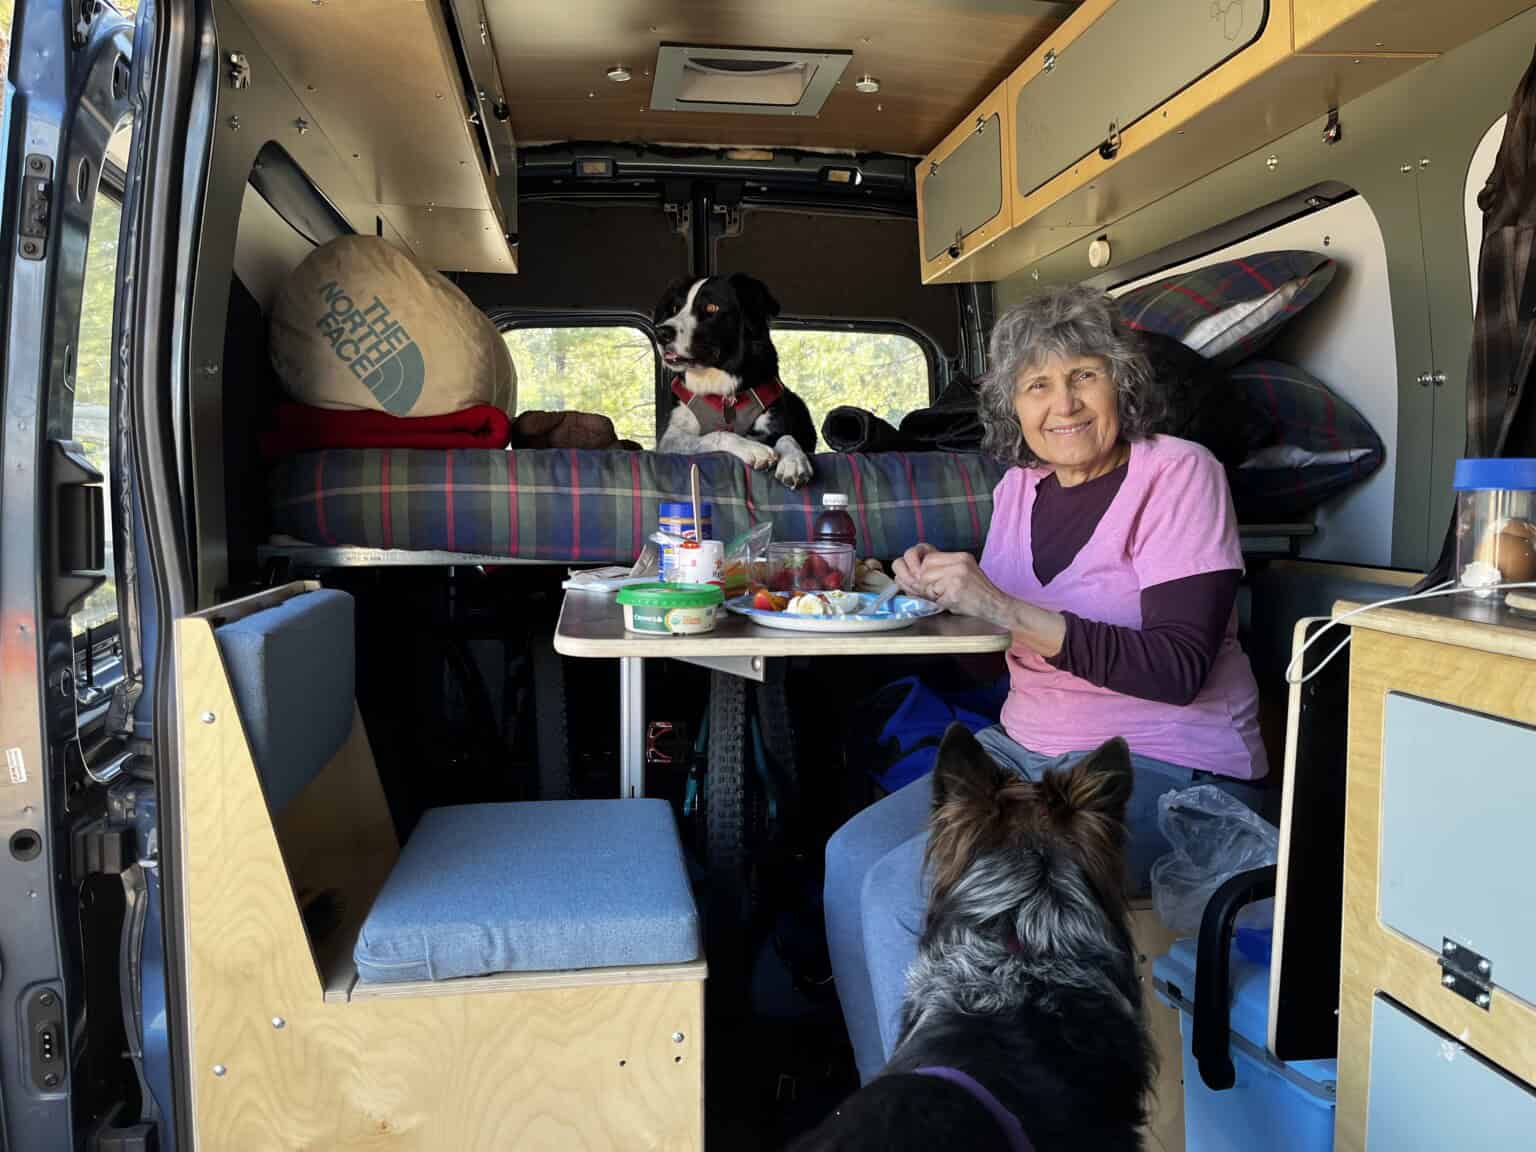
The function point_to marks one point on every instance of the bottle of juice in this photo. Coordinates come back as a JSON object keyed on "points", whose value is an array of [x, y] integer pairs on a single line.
{"points": [[834, 524]]}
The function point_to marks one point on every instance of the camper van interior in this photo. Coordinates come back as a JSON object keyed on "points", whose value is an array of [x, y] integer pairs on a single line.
{"points": [[453, 455]]}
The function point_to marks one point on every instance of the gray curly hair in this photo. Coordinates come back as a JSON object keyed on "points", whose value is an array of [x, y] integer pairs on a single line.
{"points": [[1066, 322]]}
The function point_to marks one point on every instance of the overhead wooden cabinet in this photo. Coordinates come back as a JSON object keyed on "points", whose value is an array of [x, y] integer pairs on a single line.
{"points": [[1124, 65], [1130, 100], [1395, 25], [963, 187]]}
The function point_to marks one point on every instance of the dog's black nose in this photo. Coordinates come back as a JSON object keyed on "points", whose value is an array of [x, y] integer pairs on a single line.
{"points": [[665, 333]]}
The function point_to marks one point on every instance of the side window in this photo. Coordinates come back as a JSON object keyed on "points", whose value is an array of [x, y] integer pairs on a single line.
{"points": [[886, 373], [93, 377], [608, 368]]}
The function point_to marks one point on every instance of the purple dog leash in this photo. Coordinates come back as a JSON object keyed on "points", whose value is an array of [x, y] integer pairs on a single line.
{"points": [[1006, 1120]]}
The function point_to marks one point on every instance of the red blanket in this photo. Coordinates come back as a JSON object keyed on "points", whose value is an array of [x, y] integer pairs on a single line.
{"points": [[300, 428]]}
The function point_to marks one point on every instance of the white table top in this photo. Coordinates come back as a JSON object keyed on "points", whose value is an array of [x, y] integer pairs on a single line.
{"points": [[593, 625]]}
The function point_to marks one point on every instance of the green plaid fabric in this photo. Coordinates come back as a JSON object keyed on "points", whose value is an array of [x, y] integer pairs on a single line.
{"points": [[601, 507]]}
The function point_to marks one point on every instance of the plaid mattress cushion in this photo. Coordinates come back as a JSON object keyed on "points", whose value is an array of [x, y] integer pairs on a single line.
{"points": [[1306, 443], [1230, 310], [600, 507]]}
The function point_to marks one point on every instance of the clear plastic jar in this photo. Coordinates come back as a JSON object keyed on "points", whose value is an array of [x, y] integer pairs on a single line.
{"points": [[1495, 524]]}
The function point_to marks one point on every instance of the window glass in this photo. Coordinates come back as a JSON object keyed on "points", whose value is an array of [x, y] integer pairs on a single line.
{"points": [[93, 377], [885, 373], [608, 368]]}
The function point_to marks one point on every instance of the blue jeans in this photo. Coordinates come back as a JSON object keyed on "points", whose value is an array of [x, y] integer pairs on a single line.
{"points": [[874, 894]]}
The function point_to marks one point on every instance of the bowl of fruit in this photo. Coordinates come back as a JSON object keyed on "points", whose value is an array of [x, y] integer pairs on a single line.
{"points": [[809, 566]]}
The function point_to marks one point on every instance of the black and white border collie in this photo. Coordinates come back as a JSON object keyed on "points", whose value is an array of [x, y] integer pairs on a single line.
{"points": [[729, 398], [1021, 1027]]}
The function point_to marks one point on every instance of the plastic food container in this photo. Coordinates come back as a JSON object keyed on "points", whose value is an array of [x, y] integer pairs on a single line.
{"points": [[671, 609], [676, 519], [1495, 523], [809, 566]]}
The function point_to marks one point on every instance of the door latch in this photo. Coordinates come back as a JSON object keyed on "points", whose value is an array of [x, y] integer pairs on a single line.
{"points": [[77, 528], [36, 207], [44, 1022]]}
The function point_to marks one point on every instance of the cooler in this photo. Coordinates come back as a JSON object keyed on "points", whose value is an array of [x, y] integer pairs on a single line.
{"points": [[1272, 1106]]}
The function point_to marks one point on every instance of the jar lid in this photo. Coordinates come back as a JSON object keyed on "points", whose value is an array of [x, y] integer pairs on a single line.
{"points": [[684, 510], [834, 500], [671, 595], [1495, 474]]}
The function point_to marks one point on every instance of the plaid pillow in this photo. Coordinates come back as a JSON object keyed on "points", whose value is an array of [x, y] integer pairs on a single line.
{"points": [[1306, 443], [1230, 310]]}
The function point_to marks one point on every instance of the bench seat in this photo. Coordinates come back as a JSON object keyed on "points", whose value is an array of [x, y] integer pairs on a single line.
{"points": [[571, 884]]}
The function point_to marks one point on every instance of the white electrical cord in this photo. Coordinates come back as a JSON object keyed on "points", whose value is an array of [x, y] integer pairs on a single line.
{"points": [[1449, 588]]}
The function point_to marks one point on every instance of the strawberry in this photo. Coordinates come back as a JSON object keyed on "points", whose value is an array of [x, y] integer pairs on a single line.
{"points": [[833, 579], [766, 601]]}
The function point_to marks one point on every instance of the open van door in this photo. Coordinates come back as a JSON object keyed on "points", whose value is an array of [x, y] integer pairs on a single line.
{"points": [[74, 783]]}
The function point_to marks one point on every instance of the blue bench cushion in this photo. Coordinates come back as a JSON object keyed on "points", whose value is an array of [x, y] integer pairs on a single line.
{"points": [[558, 885], [291, 670]]}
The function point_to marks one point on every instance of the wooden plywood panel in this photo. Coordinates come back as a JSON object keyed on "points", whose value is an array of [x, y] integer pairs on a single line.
{"points": [[1396, 25], [935, 61], [480, 1065], [1165, 1111], [1375, 959]]}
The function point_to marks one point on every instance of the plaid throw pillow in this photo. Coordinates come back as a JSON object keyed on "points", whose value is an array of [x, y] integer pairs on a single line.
{"points": [[1230, 310], [1306, 443]]}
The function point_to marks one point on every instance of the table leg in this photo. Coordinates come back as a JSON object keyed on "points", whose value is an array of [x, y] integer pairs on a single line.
{"points": [[631, 727]]}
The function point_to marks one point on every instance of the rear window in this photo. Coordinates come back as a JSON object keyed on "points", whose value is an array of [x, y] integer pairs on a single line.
{"points": [[608, 368], [886, 373]]}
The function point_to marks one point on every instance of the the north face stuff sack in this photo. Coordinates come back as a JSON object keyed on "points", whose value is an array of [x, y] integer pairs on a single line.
{"points": [[360, 325]]}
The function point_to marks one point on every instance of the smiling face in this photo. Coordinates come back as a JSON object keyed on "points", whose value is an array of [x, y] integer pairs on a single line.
{"points": [[1067, 409]]}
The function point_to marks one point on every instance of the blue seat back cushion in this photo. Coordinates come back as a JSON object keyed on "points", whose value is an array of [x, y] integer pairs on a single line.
{"points": [[291, 669], [547, 886]]}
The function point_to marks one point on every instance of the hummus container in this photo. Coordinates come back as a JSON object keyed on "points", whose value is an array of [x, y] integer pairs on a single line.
{"points": [[670, 609]]}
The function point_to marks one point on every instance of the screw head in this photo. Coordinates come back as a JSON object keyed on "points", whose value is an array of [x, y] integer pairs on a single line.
{"points": [[51, 1080], [234, 123], [1483, 1000], [1448, 980], [219, 1070], [1272, 162], [677, 1037], [1449, 948], [1406, 169], [302, 125], [1484, 967], [279, 1023], [46, 999], [207, 717]]}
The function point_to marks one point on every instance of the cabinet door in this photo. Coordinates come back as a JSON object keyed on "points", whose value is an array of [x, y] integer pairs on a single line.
{"points": [[1123, 65], [1428, 1093], [962, 187], [1457, 854]]}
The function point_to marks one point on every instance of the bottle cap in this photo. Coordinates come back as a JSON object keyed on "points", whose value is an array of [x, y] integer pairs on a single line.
{"points": [[834, 500]]}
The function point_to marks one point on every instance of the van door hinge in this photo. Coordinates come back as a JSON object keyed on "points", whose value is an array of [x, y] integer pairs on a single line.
{"points": [[36, 207], [77, 528]]}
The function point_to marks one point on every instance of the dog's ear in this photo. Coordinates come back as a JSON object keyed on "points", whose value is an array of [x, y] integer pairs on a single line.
{"points": [[676, 293], [755, 298], [1101, 781], [964, 773], [971, 798]]}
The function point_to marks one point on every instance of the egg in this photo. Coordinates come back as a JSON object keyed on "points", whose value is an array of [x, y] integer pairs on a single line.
{"points": [[808, 605], [1510, 546]]}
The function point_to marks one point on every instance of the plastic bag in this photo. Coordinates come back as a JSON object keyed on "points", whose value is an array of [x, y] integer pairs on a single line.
{"points": [[1214, 837], [742, 555]]}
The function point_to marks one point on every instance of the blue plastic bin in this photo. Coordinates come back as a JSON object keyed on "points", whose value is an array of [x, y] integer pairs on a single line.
{"points": [[1273, 1106]]}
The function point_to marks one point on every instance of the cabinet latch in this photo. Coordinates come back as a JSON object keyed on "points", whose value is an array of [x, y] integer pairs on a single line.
{"points": [[1466, 973], [1111, 146]]}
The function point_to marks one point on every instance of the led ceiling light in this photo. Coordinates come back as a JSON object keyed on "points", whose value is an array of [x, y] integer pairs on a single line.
{"points": [[867, 84]]}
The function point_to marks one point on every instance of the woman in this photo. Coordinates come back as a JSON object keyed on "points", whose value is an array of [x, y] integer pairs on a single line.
{"points": [[1113, 559]]}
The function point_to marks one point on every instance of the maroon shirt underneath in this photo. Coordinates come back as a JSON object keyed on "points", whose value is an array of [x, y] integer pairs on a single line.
{"points": [[1183, 622]]}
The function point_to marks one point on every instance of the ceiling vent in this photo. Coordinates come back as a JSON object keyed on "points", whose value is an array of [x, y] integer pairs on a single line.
{"points": [[755, 81]]}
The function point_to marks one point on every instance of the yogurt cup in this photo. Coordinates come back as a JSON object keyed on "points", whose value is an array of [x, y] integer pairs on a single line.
{"points": [[671, 609], [699, 562]]}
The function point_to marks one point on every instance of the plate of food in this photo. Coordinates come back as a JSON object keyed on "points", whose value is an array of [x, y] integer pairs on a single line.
{"points": [[833, 611]]}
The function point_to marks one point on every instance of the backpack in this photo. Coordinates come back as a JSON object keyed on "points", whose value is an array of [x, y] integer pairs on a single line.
{"points": [[894, 733]]}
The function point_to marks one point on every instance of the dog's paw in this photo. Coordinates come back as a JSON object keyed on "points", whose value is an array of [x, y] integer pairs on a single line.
{"points": [[794, 470], [757, 456]]}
